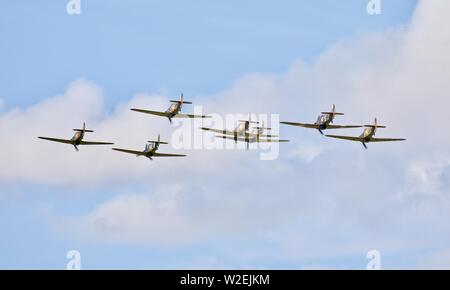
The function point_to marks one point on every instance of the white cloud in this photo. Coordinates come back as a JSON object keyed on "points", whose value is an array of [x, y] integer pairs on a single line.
{"points": [[27, 158], [426, 176], [307, 151], [174, 216]]}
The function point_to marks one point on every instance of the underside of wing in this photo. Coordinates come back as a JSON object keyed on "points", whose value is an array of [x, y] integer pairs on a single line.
{"points": [[342, 126], [95, 143], [225, 132], [253, 140], [386, 139], [260, 135], [311, 126], [231, 138], [190, 116], [168, 155], [345, 138], [156, 113], [271, 141], [129, 151], [57, 140]]}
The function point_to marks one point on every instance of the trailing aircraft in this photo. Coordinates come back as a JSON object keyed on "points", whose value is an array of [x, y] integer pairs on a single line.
{"points": [[77, 139], [150, 150], [368, 135], [173, 111], [324, 122]]}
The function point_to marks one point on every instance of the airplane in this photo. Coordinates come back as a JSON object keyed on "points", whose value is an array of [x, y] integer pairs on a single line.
{"points": [[77, 139], [240, 131], [254, 136], [367, 135], [173, 111], [150, 150], [324, 122]]}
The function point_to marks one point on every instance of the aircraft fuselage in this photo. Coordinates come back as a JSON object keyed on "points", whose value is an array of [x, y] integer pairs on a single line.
{"points": [[368, 133], [174, 109], [324, 120], [77, 138], [150, 150]]}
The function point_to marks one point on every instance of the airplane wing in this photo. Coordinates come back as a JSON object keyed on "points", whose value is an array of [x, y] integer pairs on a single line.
{"points": [[386, 139], [331, 126], [162, 114], [129, 151], [311, 126], [95, 143], [190, 116], [260, 135], [156, 154], [57, 140], [225, 132], [359, 139], [254, 140], [271, 141]]}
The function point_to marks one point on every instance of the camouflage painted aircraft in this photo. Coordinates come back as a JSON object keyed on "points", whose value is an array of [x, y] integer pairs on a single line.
{"points": [[77, 139], [367, 135], [150, 150], [242, 130], [324, 122], [173, 111], [254, 136]]}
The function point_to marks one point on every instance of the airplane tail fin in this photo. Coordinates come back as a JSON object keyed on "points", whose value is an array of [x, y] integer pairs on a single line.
{"points": [[181, 100], [375, 125], [333, 112], [84, 129], [248, 122], [262, 127], [158, 141]]}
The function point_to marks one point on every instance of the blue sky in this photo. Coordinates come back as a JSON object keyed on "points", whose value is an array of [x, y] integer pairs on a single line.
{"points": [[118, 54], [199, 47]]}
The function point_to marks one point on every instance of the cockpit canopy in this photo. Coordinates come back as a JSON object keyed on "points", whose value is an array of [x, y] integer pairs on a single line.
{"points": [[322, 119], [172, 107], [149, 147], [76, 136]]}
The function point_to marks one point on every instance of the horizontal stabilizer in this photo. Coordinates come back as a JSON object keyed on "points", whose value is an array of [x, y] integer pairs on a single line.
{"points": [[331, 113], [259, 128], [160, 142], [183, 102], [81, 130], [251, 122]]}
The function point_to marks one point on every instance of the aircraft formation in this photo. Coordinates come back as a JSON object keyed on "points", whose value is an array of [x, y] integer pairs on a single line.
{"points": [[247, 131]]}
